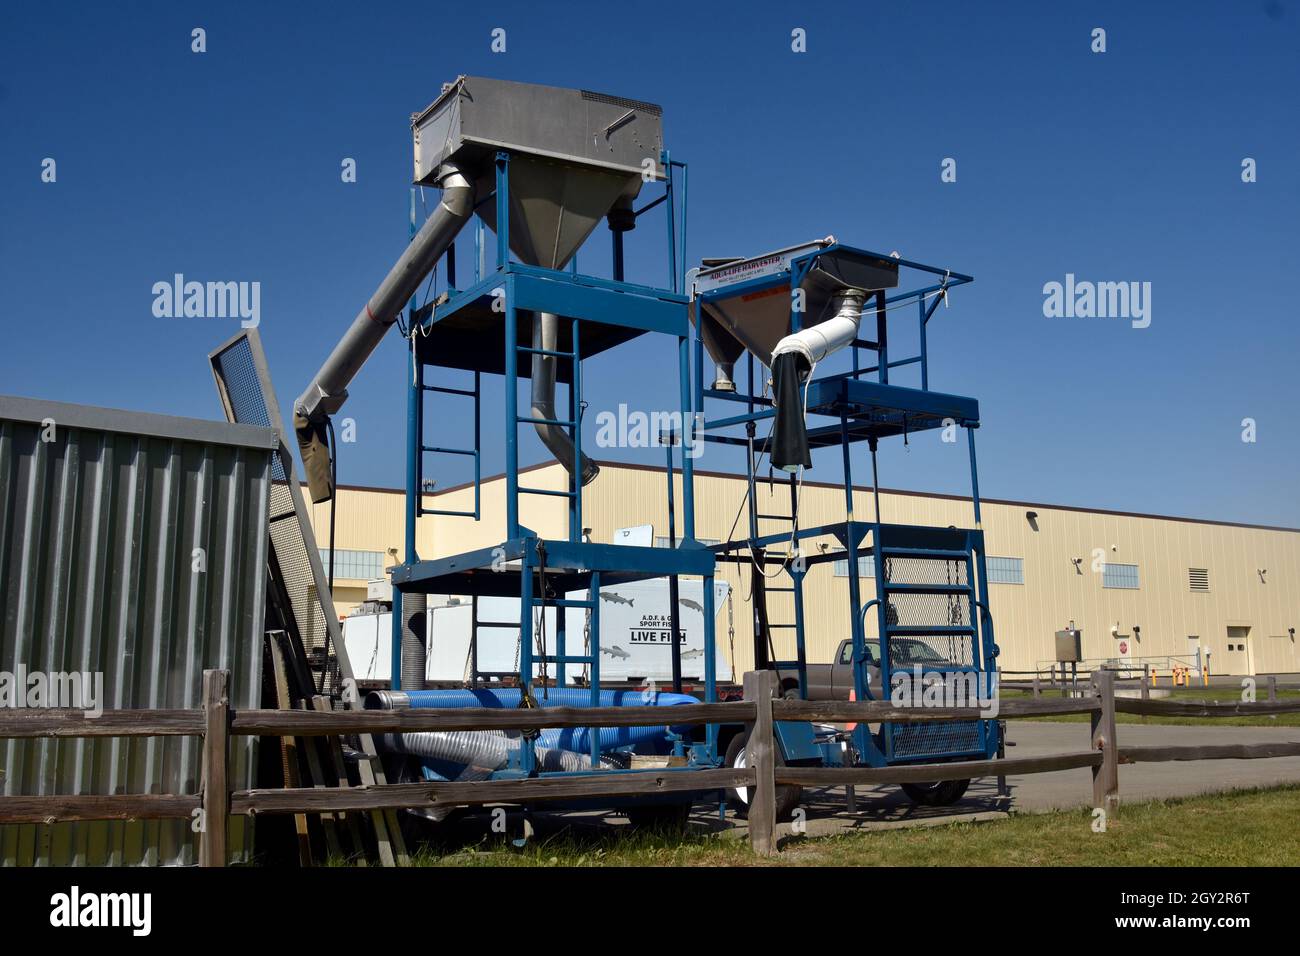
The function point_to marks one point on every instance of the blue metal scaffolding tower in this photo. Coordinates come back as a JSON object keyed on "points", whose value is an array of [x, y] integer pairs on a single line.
{"points": [[484, 328], [931, 606]]}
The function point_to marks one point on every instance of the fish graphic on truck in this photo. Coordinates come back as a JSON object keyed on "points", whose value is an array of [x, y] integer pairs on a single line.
{"points": [[635, 629]]}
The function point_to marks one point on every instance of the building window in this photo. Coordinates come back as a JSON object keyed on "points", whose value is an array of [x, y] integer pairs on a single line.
{"points": [[359, 565], [1123, 576], [866, 567], [1198, 579], [1006, 570]]}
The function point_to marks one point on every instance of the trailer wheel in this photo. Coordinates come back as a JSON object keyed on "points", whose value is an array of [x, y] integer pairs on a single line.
{"points": [[787, 798], [940, 794]]}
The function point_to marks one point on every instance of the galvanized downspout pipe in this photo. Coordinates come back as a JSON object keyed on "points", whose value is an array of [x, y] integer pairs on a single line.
{"points": [[546, 327]]}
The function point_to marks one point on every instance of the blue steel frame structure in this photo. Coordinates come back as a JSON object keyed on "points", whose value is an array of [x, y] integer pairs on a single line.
{"points": [[860, 409], [458, 332]]}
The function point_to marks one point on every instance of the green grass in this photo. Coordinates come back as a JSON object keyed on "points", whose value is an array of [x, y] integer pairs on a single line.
{"points": [[1241, 828], [1221, 694]]}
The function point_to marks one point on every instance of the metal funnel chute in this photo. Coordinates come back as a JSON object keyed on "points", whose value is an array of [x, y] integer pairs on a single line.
{"points": [[759, 318], [555, 206], [574, 155], [745, 305]]}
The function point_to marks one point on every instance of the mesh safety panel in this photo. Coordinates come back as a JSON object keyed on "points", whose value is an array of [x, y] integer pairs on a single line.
{"points": [[920, 570], [931, 652], [238, 374], [933, 739], [930, 609], [237, 368]]}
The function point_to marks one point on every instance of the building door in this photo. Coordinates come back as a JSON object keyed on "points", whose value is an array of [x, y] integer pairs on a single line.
{"points": [[1194, 654], [1237, 661]]}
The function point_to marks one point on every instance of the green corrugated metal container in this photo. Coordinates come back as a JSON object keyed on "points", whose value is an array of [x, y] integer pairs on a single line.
{"points": [[133, 546]]}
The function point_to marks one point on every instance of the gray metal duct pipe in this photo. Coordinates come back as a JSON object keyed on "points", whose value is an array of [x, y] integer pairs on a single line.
{"points": [[489, 750], [329, 389], [546, 328], [415, 639]]}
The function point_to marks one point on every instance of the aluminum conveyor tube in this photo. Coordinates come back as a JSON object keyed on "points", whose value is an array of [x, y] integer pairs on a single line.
{"points": [[329, 389], [546, 329]]}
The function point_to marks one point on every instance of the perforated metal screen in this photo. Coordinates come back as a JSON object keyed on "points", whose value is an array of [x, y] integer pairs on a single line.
{"points": [[933, 652], [303, 601]]}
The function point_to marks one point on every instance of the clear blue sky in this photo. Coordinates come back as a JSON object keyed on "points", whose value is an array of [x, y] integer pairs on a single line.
{"points": [[1122, 166]]}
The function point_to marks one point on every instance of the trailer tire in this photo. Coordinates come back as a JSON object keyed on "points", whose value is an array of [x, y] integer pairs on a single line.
{"points": [[941, 794], [787, 797]]}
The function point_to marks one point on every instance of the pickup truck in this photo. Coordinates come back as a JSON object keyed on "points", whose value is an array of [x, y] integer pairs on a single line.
{"points": [[835, 681]]}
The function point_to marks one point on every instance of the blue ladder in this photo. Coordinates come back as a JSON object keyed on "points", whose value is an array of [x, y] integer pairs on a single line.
{"points": [[572, 423], [474, 452]]}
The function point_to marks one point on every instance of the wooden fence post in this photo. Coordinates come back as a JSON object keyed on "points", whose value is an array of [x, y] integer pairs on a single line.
{"points": [[1105, 776], [1038, 691], [760, 756], [1272, 687], [216, 753]]}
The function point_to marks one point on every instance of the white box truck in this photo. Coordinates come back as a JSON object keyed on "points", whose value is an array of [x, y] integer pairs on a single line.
{"points": [[635, 635]]}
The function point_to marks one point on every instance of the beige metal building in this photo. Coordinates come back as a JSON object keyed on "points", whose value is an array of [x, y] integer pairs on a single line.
{"points": [[1143, 588]]}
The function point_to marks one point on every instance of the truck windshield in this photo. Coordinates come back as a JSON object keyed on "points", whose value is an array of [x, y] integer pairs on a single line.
{"points": [[907, 651]]}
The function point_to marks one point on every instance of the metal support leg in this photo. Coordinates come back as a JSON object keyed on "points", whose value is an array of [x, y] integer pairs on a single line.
{"points": [[512, 414], [593, 595], [861, 686], [710, 663], [527, 756]]}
